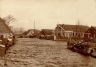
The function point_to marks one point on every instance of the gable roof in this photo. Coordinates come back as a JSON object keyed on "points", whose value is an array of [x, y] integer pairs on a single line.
{"points": [[75, 28], [4, 28], [91, 30]]}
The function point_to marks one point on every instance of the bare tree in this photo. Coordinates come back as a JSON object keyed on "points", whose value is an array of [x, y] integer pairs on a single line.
{"points": [[9, 19]]}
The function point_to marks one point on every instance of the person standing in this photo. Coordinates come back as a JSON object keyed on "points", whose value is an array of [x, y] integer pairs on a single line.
{"points": [[5, 42]]}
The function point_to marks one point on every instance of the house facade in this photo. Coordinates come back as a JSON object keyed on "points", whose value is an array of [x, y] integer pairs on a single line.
{"points": [[63, 31]]}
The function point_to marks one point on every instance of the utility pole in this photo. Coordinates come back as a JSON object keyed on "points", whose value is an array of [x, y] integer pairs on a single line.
{"points": [[34, 27]]}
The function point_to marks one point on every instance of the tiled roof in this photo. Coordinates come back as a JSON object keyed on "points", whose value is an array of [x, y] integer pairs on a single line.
{"points": [[4, 27], [46, 31], [76, 28], [91, 30]]}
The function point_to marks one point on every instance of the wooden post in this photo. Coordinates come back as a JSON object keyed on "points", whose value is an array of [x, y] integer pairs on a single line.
{"points": [[5, 60]]}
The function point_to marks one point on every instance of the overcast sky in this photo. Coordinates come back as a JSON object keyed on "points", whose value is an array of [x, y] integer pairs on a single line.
{"points": [[48, 13]]}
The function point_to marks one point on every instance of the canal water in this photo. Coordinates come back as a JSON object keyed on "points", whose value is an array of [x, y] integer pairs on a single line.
{"points": [[45, 53]]}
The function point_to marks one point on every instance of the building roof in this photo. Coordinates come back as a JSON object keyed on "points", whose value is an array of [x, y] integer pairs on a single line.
{"points": [[4, 28], [76, 28], [91, 30], [46, 31], [31, 31]]}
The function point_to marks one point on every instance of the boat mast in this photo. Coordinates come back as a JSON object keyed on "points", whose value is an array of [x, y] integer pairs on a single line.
{"points": [[34, 26]]}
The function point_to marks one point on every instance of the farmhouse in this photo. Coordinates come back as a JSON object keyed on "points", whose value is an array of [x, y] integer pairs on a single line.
{"points": [[90, 33], [46, 34], [6, 32], [31, 33], [64, 31]]}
